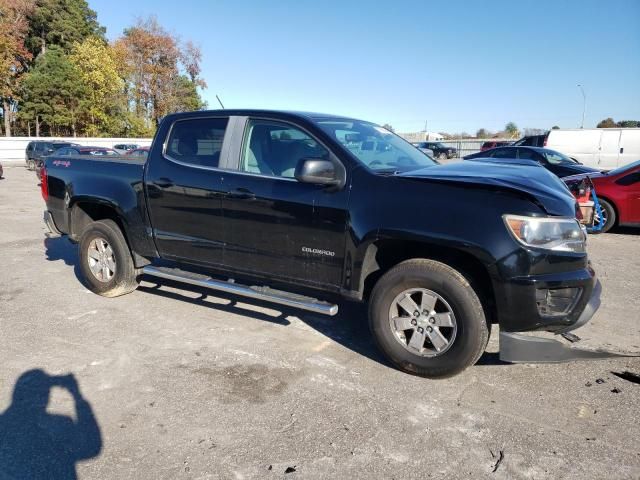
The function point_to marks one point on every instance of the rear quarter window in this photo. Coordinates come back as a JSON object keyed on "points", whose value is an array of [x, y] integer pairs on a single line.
{"points": [[197, 141]]}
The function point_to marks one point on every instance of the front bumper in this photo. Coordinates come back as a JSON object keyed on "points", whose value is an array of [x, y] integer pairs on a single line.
{"points": [[519, 348], [590, 309], [519, 308]]}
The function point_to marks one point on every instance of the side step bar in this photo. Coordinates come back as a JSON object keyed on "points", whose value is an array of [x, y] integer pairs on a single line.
{"points": [[259, 293]]}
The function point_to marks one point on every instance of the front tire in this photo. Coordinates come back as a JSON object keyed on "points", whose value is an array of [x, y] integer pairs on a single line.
{"points": [[427, 319], [442, 156], [105, 260]]}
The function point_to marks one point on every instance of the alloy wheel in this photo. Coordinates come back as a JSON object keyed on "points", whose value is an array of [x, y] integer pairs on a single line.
{"points": [[423, 322]]}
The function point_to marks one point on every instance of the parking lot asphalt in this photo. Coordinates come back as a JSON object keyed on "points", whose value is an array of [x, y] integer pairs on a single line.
{"points": [[193, 384]]}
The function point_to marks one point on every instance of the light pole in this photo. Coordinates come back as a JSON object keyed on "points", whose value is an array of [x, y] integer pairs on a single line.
{"points": [[584, 104]]}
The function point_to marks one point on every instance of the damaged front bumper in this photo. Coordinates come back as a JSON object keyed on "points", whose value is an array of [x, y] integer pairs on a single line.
{"points": [[520, 348]]}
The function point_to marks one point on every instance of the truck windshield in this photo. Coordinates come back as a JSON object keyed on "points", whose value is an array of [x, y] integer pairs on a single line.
{"points": [[376, 147]]}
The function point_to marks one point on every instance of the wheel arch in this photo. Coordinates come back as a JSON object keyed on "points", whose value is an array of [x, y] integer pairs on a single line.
{"points": [[84, 211], [382, 255], [613, 205]]}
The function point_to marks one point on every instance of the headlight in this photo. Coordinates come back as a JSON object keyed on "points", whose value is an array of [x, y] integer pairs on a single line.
{"points": [[559, 234]]}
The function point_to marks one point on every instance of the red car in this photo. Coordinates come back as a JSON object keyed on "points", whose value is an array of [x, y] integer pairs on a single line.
{"points": [[494, 144], [141, 152], [619, 194]]}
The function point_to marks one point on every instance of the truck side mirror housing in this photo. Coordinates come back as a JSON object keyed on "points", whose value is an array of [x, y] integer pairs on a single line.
{"points": [[317, 171]]}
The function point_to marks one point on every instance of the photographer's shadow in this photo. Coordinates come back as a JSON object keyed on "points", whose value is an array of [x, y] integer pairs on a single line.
{"points": [[35, 444]]}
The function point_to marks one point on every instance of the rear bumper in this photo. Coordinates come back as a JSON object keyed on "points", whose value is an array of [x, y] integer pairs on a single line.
{"points": [[51, 225]]}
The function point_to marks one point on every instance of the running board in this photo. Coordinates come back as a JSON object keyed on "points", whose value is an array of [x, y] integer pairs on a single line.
{"points": [[259, 293], [518, 348]]}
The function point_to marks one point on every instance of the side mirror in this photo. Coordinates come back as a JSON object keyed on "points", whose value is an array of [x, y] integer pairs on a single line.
{"points": [[317, 171]]}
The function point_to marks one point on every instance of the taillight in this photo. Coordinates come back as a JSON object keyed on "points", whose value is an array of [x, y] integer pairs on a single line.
{"points": [[44, 183]]}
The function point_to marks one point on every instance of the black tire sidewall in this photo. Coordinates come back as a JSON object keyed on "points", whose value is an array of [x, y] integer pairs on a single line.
{"points": [[611, 215], [108, 230], [471, 333]]}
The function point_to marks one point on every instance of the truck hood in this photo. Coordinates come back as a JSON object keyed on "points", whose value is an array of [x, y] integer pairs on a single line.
{"points": [[522, 177]]}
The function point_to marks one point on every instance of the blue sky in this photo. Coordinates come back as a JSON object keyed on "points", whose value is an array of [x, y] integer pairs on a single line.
{"points": [[460, 65]]}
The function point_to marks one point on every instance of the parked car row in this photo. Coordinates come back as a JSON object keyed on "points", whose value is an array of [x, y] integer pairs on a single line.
{"points": [[38, 150]]}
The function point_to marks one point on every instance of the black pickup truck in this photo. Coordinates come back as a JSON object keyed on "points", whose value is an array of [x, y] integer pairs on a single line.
{"points": [[305, 209]]}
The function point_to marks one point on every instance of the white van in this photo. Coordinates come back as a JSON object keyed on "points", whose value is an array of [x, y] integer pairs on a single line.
{"points": [[604, 148]]}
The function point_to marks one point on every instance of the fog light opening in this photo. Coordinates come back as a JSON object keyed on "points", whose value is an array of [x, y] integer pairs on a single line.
{"points": [[556, 302]]}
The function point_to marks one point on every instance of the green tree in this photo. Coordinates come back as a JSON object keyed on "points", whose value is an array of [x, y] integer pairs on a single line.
{"points": [[629, 124], [54, 94], [607, 123], [483, 133], [388, 127], [62, 23], [96, 63], [555, 127], [511, 129], [187, 98]]}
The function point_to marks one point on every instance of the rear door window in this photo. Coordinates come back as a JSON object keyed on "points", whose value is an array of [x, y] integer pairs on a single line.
{"points": [[197, 141]]}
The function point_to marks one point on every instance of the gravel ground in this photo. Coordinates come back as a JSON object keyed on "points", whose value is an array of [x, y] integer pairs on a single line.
{"points": [[168, 383]]}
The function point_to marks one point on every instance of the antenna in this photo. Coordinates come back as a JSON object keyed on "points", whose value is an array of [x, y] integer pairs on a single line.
{"points": [[219, 101]]}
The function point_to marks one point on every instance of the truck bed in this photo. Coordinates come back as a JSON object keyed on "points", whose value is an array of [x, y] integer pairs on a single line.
{"points": [[72, 180]]}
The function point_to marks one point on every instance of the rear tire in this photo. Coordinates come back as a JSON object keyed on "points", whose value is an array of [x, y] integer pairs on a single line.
{"points": [[105, 260], [455, 321]]}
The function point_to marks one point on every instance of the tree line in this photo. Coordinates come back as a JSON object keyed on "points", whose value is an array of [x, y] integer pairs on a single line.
{"points": [[611, 123], [59, 76]]}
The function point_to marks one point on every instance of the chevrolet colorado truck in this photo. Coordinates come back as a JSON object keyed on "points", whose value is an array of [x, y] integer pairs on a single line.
{"points": [[304, 210]]}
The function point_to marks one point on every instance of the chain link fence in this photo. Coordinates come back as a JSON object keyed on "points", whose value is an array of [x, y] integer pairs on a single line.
{"points": [[473, 145], [464, 146]]}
